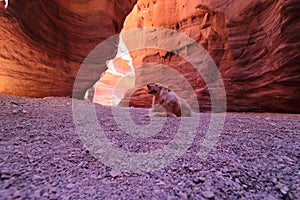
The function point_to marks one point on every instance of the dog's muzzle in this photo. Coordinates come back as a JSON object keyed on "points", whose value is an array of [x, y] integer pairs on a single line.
{"points": [[152, 92]]}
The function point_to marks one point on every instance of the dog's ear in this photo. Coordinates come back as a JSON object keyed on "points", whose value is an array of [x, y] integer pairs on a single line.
{"points": [[159, 85], [167, 88]]}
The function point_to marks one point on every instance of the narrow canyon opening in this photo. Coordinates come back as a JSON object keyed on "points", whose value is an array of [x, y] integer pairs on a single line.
{"points": [[116, 80]]}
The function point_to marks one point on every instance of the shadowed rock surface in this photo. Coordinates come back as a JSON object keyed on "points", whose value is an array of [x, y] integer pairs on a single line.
{"points": [[43, 44], [41, 156]]}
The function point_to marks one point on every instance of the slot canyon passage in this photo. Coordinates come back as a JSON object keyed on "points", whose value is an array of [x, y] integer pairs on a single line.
{"points": [[56, 145]]}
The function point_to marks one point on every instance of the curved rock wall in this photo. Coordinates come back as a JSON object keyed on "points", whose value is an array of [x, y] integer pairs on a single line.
{"points": [[254, 43], [43, 44]]}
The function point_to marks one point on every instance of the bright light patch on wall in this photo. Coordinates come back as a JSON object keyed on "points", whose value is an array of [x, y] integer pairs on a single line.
{"points": [[124, 54], [6, 3], [117, 79]]}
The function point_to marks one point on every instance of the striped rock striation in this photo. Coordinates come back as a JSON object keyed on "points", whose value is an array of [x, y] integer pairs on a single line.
{"points": [[255, 45], [43, 44]]}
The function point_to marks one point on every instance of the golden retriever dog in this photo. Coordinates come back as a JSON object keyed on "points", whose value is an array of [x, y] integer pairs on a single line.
{"points": [[166, 103]]}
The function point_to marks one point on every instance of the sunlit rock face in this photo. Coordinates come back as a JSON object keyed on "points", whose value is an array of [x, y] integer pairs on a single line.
{"points": [[110, 89], [255, 45], [117, 79], [43, 44]]}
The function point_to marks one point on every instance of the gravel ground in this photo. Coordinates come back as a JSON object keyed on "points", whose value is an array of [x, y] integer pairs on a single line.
{"points": [[43, 157]]}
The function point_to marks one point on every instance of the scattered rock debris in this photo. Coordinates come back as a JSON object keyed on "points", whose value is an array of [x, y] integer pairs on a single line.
{"points": [[257, 156]]}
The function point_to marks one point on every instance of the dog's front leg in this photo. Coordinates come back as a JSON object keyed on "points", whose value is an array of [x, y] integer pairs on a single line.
{"points": [[171, 115], [157, 114], [153, 102]]}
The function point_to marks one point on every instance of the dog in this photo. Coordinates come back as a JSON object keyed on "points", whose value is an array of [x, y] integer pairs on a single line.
{"points": [[166, 103]]}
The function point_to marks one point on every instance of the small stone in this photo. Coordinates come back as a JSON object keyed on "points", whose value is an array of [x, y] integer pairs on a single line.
{"points": [[16, 194], [288, 159], [270, 197], [82, 164], [36, 194], [237, 180], [37, 178], [156, 191], [284, 190], [90, 192], [183, 195], [208, 194], [199, 180], [160, 183], [274, 180], [225, 170], [115, 173], [70, 185]]}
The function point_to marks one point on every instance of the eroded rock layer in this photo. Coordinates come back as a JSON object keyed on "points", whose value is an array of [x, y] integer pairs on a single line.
{"points": [[43, 44], [255, 45]]}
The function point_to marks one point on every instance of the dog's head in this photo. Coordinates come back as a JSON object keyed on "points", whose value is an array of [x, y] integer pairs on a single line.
{"points": [[155, 88]]}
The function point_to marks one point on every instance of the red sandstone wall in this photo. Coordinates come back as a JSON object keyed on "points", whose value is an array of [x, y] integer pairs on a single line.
{"points": [[43, 44], [254, 43]]}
